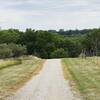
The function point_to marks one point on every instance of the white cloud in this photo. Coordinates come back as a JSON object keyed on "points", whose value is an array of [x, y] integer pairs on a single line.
{"points": [[49, 14]]}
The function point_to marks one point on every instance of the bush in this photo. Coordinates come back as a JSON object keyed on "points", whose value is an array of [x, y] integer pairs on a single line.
{"points": [[11, 50], [59, 53], [5, 51], [17, 50]]}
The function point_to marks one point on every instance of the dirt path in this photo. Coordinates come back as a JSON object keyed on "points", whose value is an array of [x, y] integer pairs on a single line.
{"points": [[48, 85]]}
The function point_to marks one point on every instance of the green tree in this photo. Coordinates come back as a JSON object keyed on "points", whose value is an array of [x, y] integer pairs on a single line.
{"points": [[9, 36], [59, 53], [91, 42]]}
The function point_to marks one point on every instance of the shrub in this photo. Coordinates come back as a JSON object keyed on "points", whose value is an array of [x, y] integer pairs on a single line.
{"points": [[5, 51], [11, 50], [17, 50]]}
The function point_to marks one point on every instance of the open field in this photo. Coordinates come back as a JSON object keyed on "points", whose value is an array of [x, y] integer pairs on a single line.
{"points": [[86, 74], [15, 75]]}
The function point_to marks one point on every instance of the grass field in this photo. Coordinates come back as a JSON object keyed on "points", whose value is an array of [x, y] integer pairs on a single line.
{"points": [[15, 75], [86, 74]]}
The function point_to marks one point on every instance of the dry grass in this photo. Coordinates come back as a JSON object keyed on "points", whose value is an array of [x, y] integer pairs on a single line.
{"points": [[9, 63], [12, 78], [66, 73], [86, 74]]}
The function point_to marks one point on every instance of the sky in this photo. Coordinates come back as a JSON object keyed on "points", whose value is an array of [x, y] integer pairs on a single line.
{"points": [[50, 14]]}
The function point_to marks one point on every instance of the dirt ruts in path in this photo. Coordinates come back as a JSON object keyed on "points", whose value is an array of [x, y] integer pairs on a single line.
{"points": [[48, 85]]}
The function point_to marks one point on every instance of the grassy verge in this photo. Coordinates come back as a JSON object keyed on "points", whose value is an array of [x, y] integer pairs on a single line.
{"points": [[66, 73], [86, 74], [9, 63], [12, 78]]}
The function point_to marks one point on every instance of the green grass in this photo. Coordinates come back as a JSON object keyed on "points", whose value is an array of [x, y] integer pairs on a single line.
{"points": [[12, 78], [86, 74]]}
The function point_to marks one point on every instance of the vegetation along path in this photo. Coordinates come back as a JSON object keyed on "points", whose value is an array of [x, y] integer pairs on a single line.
{"points": [[48, 85]]}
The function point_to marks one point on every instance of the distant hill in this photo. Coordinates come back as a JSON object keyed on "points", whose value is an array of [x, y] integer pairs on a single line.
{"points": [[71, 32]]}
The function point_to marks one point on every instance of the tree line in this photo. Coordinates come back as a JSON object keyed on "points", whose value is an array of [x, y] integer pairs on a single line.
{"points": [[49, 44]]}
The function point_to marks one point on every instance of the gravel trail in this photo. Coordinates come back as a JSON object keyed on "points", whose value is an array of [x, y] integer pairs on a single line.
{"points": [[48, 85]]}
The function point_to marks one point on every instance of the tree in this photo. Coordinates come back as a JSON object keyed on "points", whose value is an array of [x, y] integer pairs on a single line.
{"points": [[9, 36], [91, 42], [59, 53]]}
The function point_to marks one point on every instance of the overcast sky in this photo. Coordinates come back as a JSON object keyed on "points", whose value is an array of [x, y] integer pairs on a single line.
{"points": [[50, 14]]}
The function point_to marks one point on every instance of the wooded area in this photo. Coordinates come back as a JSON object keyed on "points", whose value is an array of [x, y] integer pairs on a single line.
{"points": [[49, 44]]}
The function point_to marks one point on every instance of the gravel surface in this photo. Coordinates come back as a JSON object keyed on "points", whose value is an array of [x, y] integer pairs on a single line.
{"points": [[48, 85]]}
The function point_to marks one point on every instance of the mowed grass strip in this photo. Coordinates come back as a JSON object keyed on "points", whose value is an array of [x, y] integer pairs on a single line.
{"points": [[86, 74], [12, 78]]}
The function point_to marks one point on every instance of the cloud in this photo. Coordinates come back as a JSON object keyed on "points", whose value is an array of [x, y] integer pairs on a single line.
{"points": [[49, 14]]}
